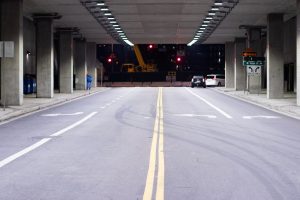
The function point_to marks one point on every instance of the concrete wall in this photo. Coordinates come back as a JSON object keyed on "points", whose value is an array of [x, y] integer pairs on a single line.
{"points": [[30, 46]]}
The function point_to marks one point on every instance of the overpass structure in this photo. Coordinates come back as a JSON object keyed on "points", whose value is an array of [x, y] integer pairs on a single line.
{"points": [[29, 28]]}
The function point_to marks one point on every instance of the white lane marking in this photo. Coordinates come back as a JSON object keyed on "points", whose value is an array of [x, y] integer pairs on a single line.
{"points": [[210, 104], [41, 142], [261, 116], [61, 114], [23, 152], [194, 115], [73, 125]]}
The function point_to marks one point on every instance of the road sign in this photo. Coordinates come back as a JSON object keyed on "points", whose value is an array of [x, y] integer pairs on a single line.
{"points": [[249, 54], [7, 49], [258, 61], [253, 70]]}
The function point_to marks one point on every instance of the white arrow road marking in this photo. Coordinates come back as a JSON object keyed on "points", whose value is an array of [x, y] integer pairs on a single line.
{"points": [[261, 116], [194, 115], [61, 114]]}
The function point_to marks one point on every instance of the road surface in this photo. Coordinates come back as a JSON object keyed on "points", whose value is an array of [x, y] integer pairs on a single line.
{"points": [[151, 143]]}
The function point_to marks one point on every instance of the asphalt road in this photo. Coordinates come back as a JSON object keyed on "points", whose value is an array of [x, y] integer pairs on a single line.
{"points": [[151, 143]]}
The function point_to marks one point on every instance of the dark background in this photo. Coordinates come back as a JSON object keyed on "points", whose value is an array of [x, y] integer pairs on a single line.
{"points": [[195, 60]]}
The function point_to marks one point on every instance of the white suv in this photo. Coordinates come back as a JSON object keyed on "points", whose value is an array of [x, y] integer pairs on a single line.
{"points": [[215, 80]]}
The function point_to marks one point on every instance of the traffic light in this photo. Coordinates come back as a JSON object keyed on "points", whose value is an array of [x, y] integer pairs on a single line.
{"points": [[178, 59], [109, 60], [150, 46]]}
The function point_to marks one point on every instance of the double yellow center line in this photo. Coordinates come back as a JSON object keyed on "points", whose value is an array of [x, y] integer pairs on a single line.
{"points": [[157, 151]]}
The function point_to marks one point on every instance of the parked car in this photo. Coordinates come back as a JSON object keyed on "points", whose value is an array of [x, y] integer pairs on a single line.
{"points": [[198, 81], [215, 80]]}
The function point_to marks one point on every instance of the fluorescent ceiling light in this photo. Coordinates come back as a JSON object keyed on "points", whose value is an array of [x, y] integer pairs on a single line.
{"points": [[120, 31], [206, 21], [204, 25], [202, 28], [111, 18], [215, 8], [200, 31], [104, 9], [117, 28], [116, 25], [100, 4], [209, 18], [128, 42], [113, 22], [192, 42], [107, 14], [218, 4], [211, 13]]}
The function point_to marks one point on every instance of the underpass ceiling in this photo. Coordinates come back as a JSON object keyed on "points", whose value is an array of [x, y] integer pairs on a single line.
{"points": [[161, 21]]}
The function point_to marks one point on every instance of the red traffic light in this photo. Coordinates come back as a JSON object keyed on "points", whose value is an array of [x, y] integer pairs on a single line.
{"points": [[178, 59], [109, 60], [150, 46]]}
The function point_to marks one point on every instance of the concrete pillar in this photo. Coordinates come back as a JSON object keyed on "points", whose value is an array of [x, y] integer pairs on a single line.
{"points": [[66, 61], [91, 61], [254, 42], [80, 65], [298, 53], [275, 59], [239, 69], [12, 68], [44, 57], [229, 65]]}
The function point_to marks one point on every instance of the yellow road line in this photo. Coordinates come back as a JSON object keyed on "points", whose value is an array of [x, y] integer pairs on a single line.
{"points": [[152, 162], [157, 143]]}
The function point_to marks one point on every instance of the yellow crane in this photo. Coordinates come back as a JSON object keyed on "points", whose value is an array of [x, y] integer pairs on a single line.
{"points": [[143, 67]]}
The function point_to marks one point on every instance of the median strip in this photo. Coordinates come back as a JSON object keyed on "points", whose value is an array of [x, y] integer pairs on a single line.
{"points": [[157, 150]]}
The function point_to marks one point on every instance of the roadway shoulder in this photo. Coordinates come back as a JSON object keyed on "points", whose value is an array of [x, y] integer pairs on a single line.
{"points": [[286, 107]]}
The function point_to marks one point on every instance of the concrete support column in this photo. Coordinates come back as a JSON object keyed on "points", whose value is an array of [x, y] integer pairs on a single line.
{"points": [[229, 65], [44, 57], [66, 61], [12, 68], [254, 42], [298, 53], [275, 59], [80, 65], [239, 69], [91, 61]]}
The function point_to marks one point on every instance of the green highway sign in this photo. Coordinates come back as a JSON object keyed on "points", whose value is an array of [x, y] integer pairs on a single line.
{"points": [[253, 61]]}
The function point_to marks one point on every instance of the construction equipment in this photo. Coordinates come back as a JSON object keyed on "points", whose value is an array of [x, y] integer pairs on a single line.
{"points": [[142, 67]]}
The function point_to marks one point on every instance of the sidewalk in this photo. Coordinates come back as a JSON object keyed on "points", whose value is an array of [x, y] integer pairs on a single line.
{"points": [[287, 105], [31, 103]]}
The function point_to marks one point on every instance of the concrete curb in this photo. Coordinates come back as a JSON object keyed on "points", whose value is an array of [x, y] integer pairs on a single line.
{"points": [[27, 111], [266, 106]]}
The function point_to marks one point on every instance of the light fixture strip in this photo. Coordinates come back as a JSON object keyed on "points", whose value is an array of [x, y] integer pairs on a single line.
{"points": [[105, 18], [217, 14]]}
